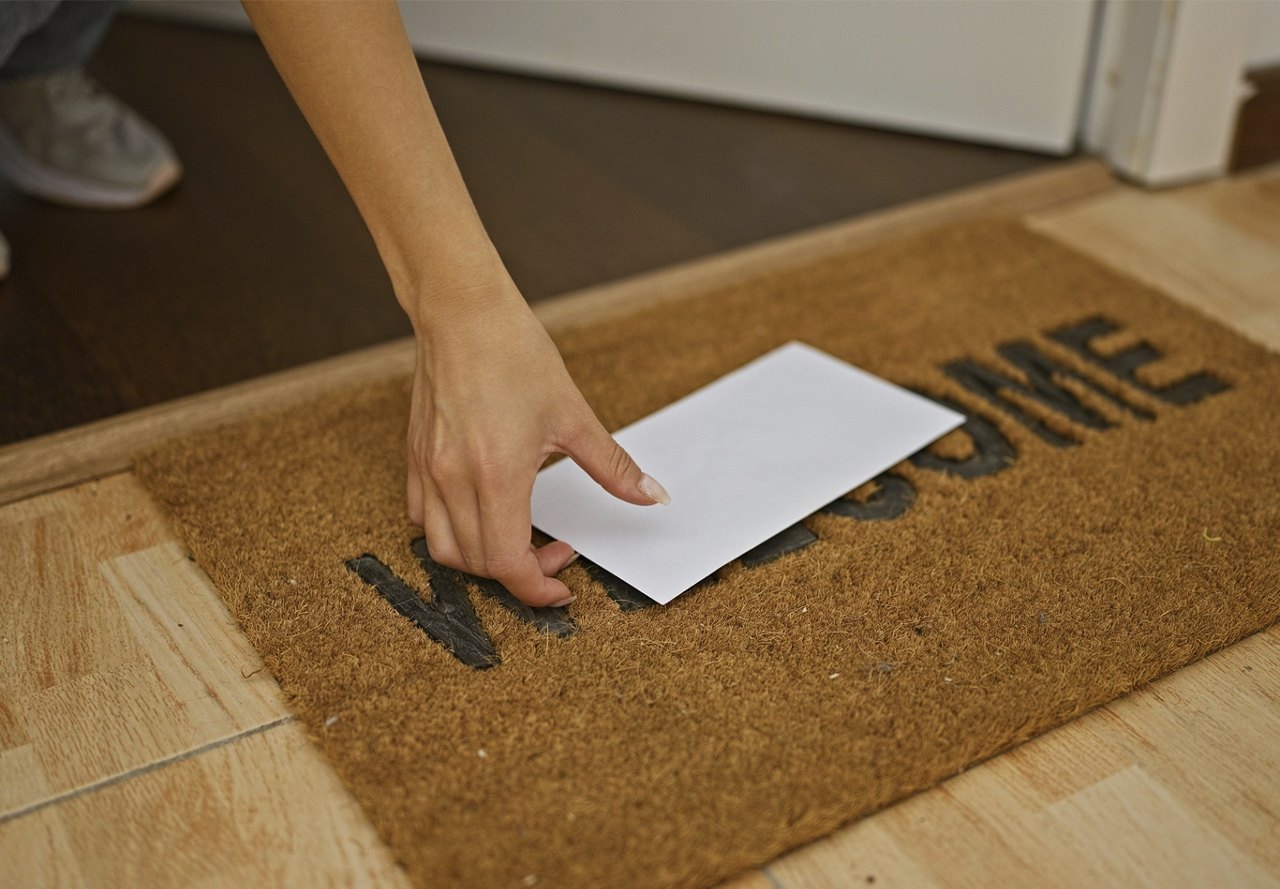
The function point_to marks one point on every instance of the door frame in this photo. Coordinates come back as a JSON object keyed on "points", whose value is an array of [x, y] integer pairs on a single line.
{"points": [[1168, 80]]}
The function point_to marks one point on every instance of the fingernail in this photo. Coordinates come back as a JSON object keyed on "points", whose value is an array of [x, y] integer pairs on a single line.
{"points": [[562, 602], [573, 558], [650, 488]]}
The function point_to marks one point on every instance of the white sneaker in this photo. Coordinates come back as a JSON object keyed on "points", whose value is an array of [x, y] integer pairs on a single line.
{"points": [[65, 140]]}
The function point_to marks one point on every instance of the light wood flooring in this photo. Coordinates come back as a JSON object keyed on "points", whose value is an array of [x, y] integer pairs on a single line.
{"points": [[142, 745]]}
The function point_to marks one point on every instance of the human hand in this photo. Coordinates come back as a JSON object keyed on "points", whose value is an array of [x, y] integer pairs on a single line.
{"points": [[491, 397], [491, 400]]}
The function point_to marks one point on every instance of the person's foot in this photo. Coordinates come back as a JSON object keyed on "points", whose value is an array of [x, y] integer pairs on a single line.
{"points": [[63, 139]]}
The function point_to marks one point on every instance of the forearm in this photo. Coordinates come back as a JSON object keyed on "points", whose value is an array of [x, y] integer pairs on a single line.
{"points": [[352, 72]]}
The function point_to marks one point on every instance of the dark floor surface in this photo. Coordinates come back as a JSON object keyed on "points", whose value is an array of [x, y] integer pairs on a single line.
{"points": [[259, 262]]}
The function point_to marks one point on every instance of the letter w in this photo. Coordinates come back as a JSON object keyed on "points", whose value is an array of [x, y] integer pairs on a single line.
{"points": [[449, 617]]}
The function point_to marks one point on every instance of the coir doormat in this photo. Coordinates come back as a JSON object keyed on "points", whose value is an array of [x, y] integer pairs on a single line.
{"points": [[1107, 514]]}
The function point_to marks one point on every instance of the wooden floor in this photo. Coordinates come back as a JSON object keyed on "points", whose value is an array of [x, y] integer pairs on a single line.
{"points": [[259, 262], [142, 745]]}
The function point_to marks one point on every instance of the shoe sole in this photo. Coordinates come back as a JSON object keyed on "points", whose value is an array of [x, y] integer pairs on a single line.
{"points": [[60, 187]]}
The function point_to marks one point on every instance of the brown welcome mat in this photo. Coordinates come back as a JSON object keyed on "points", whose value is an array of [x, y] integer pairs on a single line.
{"points": [[1107, 515]]}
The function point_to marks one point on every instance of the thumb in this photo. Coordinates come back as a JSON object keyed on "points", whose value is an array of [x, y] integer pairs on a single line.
{"points": [[602, 458]]}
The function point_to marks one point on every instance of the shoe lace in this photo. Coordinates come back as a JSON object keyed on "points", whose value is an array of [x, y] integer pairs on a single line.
{"points": [[71, 86], [75, 91]]}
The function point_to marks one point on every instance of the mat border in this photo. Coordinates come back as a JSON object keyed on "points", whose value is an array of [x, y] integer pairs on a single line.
{"points": [[94, 450]]}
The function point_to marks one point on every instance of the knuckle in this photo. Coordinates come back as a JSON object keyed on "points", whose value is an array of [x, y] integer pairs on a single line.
{"points": [[443, 553], [445, 465], [497, 567], [501, 566], [479, 462], [494, 465], [489, 466], [620, 461]]}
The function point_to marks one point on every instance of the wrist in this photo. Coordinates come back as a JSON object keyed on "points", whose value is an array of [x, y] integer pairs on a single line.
{"points": [[437, 288], [455, 298]]}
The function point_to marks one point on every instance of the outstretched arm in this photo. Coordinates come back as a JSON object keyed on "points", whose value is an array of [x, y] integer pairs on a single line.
{"points": [[491, 396]]}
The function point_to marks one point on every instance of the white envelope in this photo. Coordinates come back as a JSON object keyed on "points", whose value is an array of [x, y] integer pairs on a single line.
{"points": [[743, 458]]}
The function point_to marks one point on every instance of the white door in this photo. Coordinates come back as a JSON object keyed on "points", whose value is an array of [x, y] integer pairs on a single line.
{"points": [[1011, 73], [997, 71], [1152, 85]]}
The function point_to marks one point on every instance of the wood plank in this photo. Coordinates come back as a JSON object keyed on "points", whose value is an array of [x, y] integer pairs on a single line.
{"points": [[115, 649], [99, 449], [264, 810], [1249, 203], [756, 879], [1177, 784], [1167, 242]]}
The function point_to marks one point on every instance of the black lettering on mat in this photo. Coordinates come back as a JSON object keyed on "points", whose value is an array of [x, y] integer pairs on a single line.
{"points": [[627, 597], [449, 617], [894, 495], [992, 452], [1040, 371], [1188, 390], [624, 595], [788, 540], [549, 620]]}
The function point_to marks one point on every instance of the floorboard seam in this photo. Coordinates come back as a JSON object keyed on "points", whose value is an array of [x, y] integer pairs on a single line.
{"points": [[769, 875], [18, 495], [140, 770]]}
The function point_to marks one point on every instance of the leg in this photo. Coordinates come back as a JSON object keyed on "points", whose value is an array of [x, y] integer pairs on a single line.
{"points": [[39, 37], [62, 138]]}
